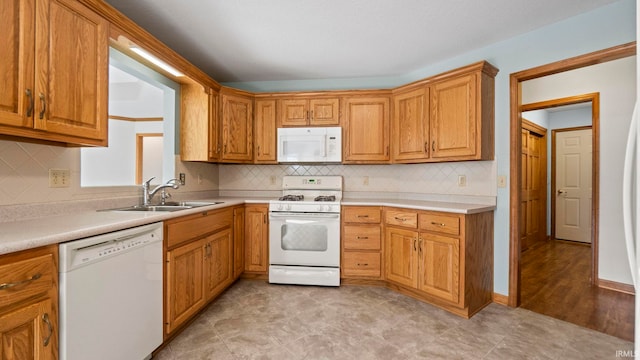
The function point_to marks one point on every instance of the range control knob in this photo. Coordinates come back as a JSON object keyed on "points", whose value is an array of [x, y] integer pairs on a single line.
{"points": [[320, 207], [288, 207], [280, 206]]}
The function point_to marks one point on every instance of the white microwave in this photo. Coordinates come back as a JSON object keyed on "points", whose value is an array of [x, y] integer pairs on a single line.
{"points": [[310, 144]]}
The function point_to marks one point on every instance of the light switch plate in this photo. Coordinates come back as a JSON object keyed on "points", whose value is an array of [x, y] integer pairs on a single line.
{"points": [[462, 180], [502, 181]]}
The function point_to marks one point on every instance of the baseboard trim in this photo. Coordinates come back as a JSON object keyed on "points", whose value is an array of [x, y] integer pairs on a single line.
{"points": [[616, 286], [501, 299]]}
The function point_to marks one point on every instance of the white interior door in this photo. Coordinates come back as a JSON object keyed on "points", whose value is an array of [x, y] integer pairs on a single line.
{"points": [[573, 185]]}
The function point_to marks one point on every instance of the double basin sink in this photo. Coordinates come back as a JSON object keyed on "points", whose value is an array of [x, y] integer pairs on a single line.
{"points": [[168, 206]]}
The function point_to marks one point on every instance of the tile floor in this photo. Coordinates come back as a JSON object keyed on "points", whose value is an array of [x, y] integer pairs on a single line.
{"points": [[255, 320]]}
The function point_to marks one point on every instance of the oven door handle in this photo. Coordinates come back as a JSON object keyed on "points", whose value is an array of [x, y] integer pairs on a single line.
{"points": [[314, 216]]}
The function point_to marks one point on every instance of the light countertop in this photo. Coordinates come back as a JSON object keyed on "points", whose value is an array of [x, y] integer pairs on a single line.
{"points": [[27, 234]]}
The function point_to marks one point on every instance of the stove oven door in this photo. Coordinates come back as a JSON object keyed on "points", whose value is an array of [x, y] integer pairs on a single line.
{"points": [[306, 239]]}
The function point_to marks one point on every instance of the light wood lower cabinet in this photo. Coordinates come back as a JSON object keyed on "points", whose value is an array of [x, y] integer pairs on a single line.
{"points": [[199, 263], [28, 310], [238, 241], [256, 235], [361, 243], [444, 258]]}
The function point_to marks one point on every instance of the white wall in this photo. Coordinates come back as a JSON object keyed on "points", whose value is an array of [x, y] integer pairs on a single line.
{"points": [[601, 28], [615, 81]]}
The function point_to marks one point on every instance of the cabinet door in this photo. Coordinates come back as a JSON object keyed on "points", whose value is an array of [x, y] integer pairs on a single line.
{"points": [[28, 333], [256, 239], [185, 283], [237, 129], [454, 118], [16, 63], [195, 131], [411, 126], [401, 256], [294, 112], [324, 112], [238, 241], [440, 266], [72, 59], [218, 262], [366, 127], [265, 130]]}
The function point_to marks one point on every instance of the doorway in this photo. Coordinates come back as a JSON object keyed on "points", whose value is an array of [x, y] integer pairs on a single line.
{"points": [[516, 81]]}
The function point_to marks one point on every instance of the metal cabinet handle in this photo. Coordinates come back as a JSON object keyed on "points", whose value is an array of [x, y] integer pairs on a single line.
{"points": [[414, 244], [44, 106], [258, 150], [307, 114], [386, 152], [433, 146], [30, 98], [426, 147], [363, 216], [420, 246], [365, 264], [45, 318], [311, 114], [10, 285], [438, 224], [362, 237], [400, 219]]}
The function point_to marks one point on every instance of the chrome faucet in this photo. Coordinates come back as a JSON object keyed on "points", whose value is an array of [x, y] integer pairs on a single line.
{"points": [[148, 195]]}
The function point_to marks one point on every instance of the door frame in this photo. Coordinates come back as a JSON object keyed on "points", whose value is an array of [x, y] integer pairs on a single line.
{"points": [[515, 80], [140, 153], [595, 170]]}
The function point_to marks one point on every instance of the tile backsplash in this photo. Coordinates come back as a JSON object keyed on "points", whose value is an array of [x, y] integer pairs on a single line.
{"points": [[24, 176], [440, 178]]}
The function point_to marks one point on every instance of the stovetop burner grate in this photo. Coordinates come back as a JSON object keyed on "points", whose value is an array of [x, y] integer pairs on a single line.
{"points": [[291, 198], [325, 198]]}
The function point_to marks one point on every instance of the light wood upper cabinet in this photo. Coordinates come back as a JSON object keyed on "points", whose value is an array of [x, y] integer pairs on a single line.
{"points": [[462, 119], [410, 130], [256, 239], [265, 132], [366, 130], [52, 93], [309, 112], [237, 128], [199, 124]]}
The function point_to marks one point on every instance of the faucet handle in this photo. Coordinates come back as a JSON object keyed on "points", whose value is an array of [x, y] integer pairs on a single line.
{"points": [[148, 182], [174, 183]]}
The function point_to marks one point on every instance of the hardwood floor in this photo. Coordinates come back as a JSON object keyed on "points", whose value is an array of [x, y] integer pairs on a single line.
{"points": [[555, 282]]}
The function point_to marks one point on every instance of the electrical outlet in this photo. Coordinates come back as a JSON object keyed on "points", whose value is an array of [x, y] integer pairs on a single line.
{"points": [[183, 178], [59, 178], [199, 179], [462, 180], [502, 181], [365, 181], [272, 179]]}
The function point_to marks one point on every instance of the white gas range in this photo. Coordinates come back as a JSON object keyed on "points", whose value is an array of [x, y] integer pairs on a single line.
{"points": [[304, 231]]}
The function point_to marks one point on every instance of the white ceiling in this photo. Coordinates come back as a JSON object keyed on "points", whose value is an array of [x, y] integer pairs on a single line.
{"points": [[258, 40]]}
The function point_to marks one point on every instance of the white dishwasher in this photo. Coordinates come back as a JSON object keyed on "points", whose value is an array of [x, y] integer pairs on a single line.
{"points": [[111, 295]]}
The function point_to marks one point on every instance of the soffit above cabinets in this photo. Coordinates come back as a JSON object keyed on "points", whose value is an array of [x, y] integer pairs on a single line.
{"points": [[257, 40]]}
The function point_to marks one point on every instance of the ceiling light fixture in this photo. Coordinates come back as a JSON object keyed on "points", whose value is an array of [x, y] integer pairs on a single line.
{"points": [[153, 59]]}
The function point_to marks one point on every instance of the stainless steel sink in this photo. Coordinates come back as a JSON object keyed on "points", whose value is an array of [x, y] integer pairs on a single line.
{"points": [[169, 206]]}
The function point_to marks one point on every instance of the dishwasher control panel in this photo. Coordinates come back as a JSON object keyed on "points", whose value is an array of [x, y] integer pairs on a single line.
{"points": [[85, 251]]}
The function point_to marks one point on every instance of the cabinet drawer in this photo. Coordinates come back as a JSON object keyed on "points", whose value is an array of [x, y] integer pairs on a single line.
{"points": [[446, 224], [187, 228], [364, 215], [26, 278], [361, 237], [361, 264], [407, 219]]}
